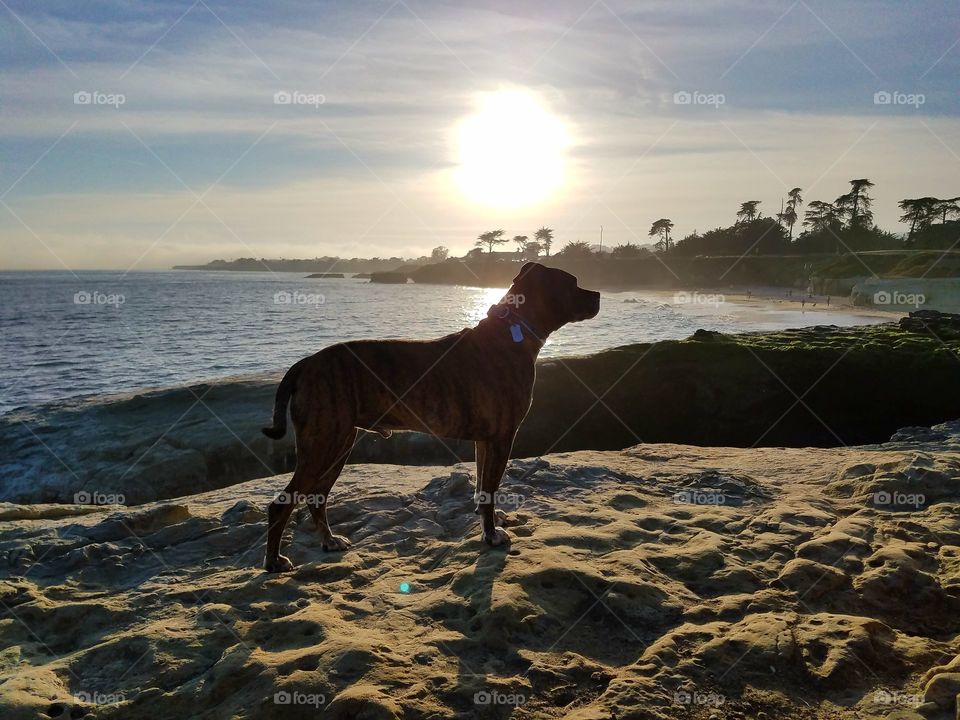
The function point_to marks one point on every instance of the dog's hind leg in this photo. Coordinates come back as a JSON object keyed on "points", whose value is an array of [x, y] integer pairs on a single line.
{"points": [[320, 494], [495, 455], [278, 513], [313, 459]]}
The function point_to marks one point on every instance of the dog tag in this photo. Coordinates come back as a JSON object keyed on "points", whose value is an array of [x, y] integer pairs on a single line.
{"points": [[516, 332]]}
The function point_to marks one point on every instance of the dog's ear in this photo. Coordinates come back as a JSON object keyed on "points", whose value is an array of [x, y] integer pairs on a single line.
{"points": [[526, 269]]}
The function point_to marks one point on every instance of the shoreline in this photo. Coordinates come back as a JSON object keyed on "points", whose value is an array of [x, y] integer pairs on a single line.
{"points": [[750, 305], [766, 297]]}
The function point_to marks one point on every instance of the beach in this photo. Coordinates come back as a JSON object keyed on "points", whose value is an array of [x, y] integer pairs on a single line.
{"points": [[655, 582]]}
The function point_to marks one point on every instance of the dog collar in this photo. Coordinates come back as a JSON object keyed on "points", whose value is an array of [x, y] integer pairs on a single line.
{"points": [[517, 324]]}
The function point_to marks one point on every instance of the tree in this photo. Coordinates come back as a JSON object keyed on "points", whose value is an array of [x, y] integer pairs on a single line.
{"points": [[795, 198], [544, 236], [856, 204], [629, 250], [919, 212], [491, 238], [788, 217], [531, 251], [521, 241], [947, 207], [578, 249], [439, 254], [794, 203], [661, 229], [748, 211], [820, 216]]}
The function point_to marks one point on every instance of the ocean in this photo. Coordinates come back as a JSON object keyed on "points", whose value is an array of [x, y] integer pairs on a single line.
{"points": [[67, 336]]}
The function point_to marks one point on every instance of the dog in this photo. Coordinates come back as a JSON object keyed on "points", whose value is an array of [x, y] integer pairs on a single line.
{"points": [[476, 384]]}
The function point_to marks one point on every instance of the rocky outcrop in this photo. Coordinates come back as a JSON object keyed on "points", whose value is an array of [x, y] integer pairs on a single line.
{"points": [[817, 386]]}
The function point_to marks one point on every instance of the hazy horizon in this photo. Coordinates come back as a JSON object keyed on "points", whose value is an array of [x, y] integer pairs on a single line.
{"points": [[143, 136]]}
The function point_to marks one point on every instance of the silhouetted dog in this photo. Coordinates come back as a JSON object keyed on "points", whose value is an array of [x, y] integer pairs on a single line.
{"points": [[476, 384]]}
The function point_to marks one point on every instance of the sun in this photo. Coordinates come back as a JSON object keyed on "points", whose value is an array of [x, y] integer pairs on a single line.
{"points": [[511, 151]]}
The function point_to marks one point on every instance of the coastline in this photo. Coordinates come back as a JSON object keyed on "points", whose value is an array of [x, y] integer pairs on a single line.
{"points": [[763, 299], [266, 337]]}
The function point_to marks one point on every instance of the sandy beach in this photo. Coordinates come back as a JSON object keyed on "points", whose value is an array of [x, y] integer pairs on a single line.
{"points": [[656, 582]]}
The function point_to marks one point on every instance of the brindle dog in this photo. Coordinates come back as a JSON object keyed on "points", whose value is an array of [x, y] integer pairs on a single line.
{"points": [[476, 384]]}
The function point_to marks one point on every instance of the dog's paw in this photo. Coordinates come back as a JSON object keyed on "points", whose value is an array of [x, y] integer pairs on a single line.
{"points": [[500, 518], [499, 536], [278, 564], [335, 543]]}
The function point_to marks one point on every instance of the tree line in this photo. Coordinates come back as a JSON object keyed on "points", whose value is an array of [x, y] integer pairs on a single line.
{"points": [[542, 242], [843, 225]]}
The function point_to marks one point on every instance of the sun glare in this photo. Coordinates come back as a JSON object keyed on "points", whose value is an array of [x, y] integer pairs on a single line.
{"points": [[511, 151]]}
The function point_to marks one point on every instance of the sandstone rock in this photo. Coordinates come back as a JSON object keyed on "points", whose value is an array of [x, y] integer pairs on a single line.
{"points": [[943, 689]]}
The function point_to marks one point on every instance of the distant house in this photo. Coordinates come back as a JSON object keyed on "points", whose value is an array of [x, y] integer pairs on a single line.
{"points": [[479, 253]]}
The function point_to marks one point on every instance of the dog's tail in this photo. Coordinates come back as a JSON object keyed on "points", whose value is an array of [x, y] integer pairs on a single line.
{"points": [[284, 392]]}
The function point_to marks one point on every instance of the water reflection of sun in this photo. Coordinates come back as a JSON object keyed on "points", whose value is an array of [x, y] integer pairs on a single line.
{"points": [[475, 308]]}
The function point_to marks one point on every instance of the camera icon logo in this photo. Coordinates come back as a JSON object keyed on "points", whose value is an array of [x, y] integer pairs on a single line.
{"points": [[882, 98], [82, 97], [282, 97], [682, 97], [882, 297]]}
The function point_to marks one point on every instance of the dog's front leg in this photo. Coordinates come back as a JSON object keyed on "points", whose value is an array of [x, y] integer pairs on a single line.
{"points": [[494, 454]]}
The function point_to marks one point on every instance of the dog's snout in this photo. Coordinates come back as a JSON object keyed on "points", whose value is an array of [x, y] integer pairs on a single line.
{"points": [[594, 303], [589, 304]]}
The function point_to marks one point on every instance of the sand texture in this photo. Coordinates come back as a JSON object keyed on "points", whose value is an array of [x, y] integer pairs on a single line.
{"points": [[661, 581]]}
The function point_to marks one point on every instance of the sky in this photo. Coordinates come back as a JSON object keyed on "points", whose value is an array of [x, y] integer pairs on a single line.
{"points": [[138, 134]]}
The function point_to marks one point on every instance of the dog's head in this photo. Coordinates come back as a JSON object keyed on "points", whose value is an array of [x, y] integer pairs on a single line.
{"points": [[550, 298]]}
